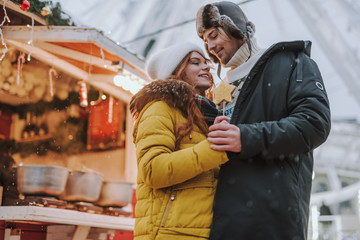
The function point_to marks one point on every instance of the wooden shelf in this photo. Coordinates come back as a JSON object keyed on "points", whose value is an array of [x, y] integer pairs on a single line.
{"points": [[36, 138], [64, 216]]}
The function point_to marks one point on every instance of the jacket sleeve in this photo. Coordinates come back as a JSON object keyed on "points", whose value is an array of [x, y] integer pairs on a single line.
{"points": [[307, 124], [158, 164]]}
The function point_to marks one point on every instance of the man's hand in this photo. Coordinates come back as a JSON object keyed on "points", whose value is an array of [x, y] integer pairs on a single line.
{"points": [[224, 136]]}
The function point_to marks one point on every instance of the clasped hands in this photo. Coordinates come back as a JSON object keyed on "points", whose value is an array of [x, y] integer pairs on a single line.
{"points": [[224, 136]]}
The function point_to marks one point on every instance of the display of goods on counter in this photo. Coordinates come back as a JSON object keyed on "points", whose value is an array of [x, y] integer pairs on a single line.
{"points": [[81, 190], [83, 186], [30, 94], [41, 179], [115, 193]]}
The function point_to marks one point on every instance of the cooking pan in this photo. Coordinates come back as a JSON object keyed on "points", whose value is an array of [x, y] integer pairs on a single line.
{"points": [[41, 179], [115, 193], [83, 186]]}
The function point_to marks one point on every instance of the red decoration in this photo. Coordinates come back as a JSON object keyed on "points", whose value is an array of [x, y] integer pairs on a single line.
{"points": [[5, 125], [83, 94], [102, 133], [25, 5]]}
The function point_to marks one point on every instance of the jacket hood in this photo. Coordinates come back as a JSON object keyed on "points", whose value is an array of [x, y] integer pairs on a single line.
{"points": [[176, 93]]}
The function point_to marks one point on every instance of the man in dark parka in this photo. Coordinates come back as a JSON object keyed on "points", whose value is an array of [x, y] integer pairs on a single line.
{"points": [[279, 113]]}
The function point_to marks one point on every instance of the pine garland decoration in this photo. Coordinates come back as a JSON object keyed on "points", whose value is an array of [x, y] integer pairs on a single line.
{"points": [[56, 17]]}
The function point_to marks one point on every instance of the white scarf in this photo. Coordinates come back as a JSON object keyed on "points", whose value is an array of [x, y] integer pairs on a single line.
{"points": [[240, 63]]}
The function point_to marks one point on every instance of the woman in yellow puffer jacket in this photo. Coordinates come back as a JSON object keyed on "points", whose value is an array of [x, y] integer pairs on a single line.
{"points": [[177, 170]]}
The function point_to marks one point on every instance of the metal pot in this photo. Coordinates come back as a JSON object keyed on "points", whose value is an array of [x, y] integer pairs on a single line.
{"points": [[83, 186], [41, 179], [115, 194]]}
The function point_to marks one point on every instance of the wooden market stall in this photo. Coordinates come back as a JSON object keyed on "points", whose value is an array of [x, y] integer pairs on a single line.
{"points": [[84, 54], [74, 85]]}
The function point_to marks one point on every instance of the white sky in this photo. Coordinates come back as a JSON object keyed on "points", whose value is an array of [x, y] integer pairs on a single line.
{"points": [[275, 20]]}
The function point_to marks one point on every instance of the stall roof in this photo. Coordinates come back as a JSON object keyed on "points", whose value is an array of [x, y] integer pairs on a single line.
{"points": [[84, 53]]}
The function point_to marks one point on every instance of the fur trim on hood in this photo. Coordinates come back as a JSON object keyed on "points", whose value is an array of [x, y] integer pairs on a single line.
{"points": [[175, 93]]}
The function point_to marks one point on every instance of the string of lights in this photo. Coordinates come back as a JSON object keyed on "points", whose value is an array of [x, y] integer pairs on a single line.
{"points": [[30, 42], [1, 33]]}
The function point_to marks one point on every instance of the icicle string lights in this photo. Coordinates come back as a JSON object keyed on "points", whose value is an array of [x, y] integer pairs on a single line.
{"points": [[111, 105], [1, 33], [30, 42], [103, 57], [83, 94], [20, 63], [5, 15], [52, 72]]}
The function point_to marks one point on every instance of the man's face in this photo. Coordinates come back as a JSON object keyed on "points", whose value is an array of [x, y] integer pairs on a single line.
{"points": [[224, 49]]}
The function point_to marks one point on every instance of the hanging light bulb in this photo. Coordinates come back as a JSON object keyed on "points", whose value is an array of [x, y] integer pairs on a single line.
{"points": [[129, 82], [83, 94]]}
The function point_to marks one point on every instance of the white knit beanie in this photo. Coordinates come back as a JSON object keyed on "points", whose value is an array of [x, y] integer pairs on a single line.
{"points": [[163, 63]]}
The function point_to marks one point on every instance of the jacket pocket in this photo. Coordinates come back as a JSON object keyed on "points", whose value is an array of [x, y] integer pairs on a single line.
{"points": [[167, 208]]}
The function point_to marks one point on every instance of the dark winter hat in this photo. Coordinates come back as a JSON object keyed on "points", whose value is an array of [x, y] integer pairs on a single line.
{"points": [[227, 15]]}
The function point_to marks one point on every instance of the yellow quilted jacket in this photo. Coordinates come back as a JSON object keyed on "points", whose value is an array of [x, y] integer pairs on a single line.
{"points": [[175, 189]]}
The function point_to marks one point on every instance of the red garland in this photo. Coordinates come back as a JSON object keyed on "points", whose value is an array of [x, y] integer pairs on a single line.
{"points": [[25, 5]]}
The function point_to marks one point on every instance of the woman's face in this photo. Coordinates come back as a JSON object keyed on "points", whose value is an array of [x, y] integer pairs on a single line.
{"points": [[197, 71]]}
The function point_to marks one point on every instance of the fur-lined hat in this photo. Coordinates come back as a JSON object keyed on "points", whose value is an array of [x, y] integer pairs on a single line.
{"points": [[226, 15]]}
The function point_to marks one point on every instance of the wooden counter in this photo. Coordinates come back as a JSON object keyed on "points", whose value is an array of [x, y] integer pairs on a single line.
{"points": [[64, 216]]}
